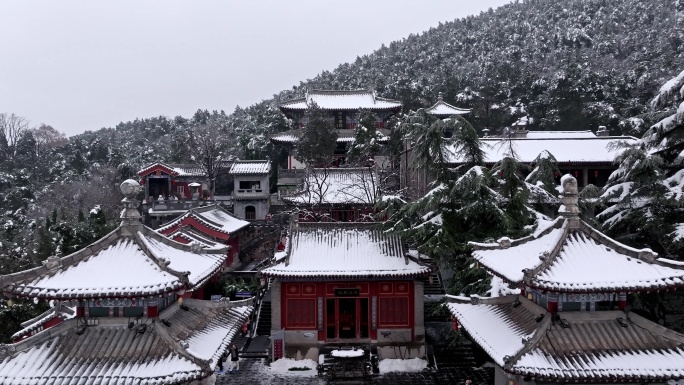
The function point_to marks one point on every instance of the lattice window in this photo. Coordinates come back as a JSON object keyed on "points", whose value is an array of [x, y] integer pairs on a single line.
{"points": [[301, 313], [394, 311]]}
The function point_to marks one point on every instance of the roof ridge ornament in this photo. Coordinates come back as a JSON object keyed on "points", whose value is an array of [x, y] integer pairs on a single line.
{"points": [[569, 208], [130, 214]]}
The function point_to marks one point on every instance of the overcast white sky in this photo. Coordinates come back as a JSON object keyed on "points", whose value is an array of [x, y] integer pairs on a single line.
{"points": [[84, 65]]}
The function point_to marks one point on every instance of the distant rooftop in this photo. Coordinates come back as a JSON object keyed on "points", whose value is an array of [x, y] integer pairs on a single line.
{"points": [[344, 185], [567, 147], [442, 109], [342, 100], [250, 167]]}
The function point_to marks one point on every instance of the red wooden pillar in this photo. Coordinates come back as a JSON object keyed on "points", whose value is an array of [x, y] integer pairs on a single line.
{"points": [[552, 303], [622, 301]]}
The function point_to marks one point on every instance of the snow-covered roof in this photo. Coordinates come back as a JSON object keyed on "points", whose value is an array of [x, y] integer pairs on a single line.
{"points": [[344, 135], [205, 220], [561, 134], [131, 261], [576, 150], [36, 324], [250, 167], [344, 250], [560, 258], [335, 186], [111, 353], [578, 347], [172, 169], [342, 100], [443, 109]]}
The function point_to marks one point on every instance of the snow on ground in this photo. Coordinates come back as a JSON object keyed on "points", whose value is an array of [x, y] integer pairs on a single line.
{"points": [[397, 365], [283, 365]]}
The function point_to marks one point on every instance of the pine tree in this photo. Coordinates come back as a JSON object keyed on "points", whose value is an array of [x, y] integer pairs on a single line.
{"points": [[367, 141], [544, 171], [318, 140], [515, 192], [44, 245]]}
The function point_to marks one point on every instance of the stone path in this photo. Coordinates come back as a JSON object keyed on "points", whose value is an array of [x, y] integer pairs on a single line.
{"points": [[254, 372]]}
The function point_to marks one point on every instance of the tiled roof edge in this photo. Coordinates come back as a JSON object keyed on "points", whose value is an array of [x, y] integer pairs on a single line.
{"points": [[63, 262]]}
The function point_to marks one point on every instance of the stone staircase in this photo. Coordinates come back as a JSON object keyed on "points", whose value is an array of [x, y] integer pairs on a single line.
{"points": [[264, 321], [433, 285]]}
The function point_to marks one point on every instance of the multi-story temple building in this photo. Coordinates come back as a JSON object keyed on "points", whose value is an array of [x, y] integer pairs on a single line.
{"points": [[127, 309], [346, 283], [571, 322], [587, 156], [344, 108], [337, 195]]}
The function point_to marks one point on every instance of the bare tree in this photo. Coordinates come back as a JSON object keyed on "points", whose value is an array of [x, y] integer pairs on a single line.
{"points": [[209, 144], [12, 128], [48, 137]]}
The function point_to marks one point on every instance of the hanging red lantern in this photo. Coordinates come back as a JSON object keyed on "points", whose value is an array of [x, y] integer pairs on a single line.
{"points": [[555, 174], [142, 182], [596, 173], [454, 323], [576, 173]]}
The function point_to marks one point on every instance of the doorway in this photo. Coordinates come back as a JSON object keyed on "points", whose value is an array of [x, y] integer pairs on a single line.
{"points": [[347, 318]]}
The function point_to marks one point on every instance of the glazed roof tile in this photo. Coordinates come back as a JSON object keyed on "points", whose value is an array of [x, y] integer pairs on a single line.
{"points": [[581, 347], [337, 250], [131, 261], [561, 259], [111, 353]]}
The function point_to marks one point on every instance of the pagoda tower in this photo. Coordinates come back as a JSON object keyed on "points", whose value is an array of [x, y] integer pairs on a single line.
{"points": [[571, 322], [124, 311]]}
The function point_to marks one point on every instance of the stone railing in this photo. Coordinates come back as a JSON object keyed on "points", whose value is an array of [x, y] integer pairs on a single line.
{"points": [[184, 204]]}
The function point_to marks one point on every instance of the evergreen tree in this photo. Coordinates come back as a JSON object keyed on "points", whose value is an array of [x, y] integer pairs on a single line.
{"points": [[367, 140], [318, 140], [44, 245], [635, 194], [544, 171], [515, 192]]}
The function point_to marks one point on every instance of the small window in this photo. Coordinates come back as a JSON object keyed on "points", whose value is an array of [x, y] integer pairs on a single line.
{"points": [[394, 311], [180, 190], [250, 212], [301, 313]]}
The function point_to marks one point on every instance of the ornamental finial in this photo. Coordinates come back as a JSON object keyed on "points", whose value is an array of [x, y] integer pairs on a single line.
{"points": [[569, 199], [130, 214]]}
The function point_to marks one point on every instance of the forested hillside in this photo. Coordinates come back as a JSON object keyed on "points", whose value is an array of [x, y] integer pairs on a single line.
{"points": [[568, 64]]}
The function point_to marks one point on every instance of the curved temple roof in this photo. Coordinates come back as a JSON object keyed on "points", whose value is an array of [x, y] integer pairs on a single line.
{"points": [[568, 260], [349, 250], [595, 347], [342, 100], [112, 353], [212, 217], [443, 109], [131, 261]]}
